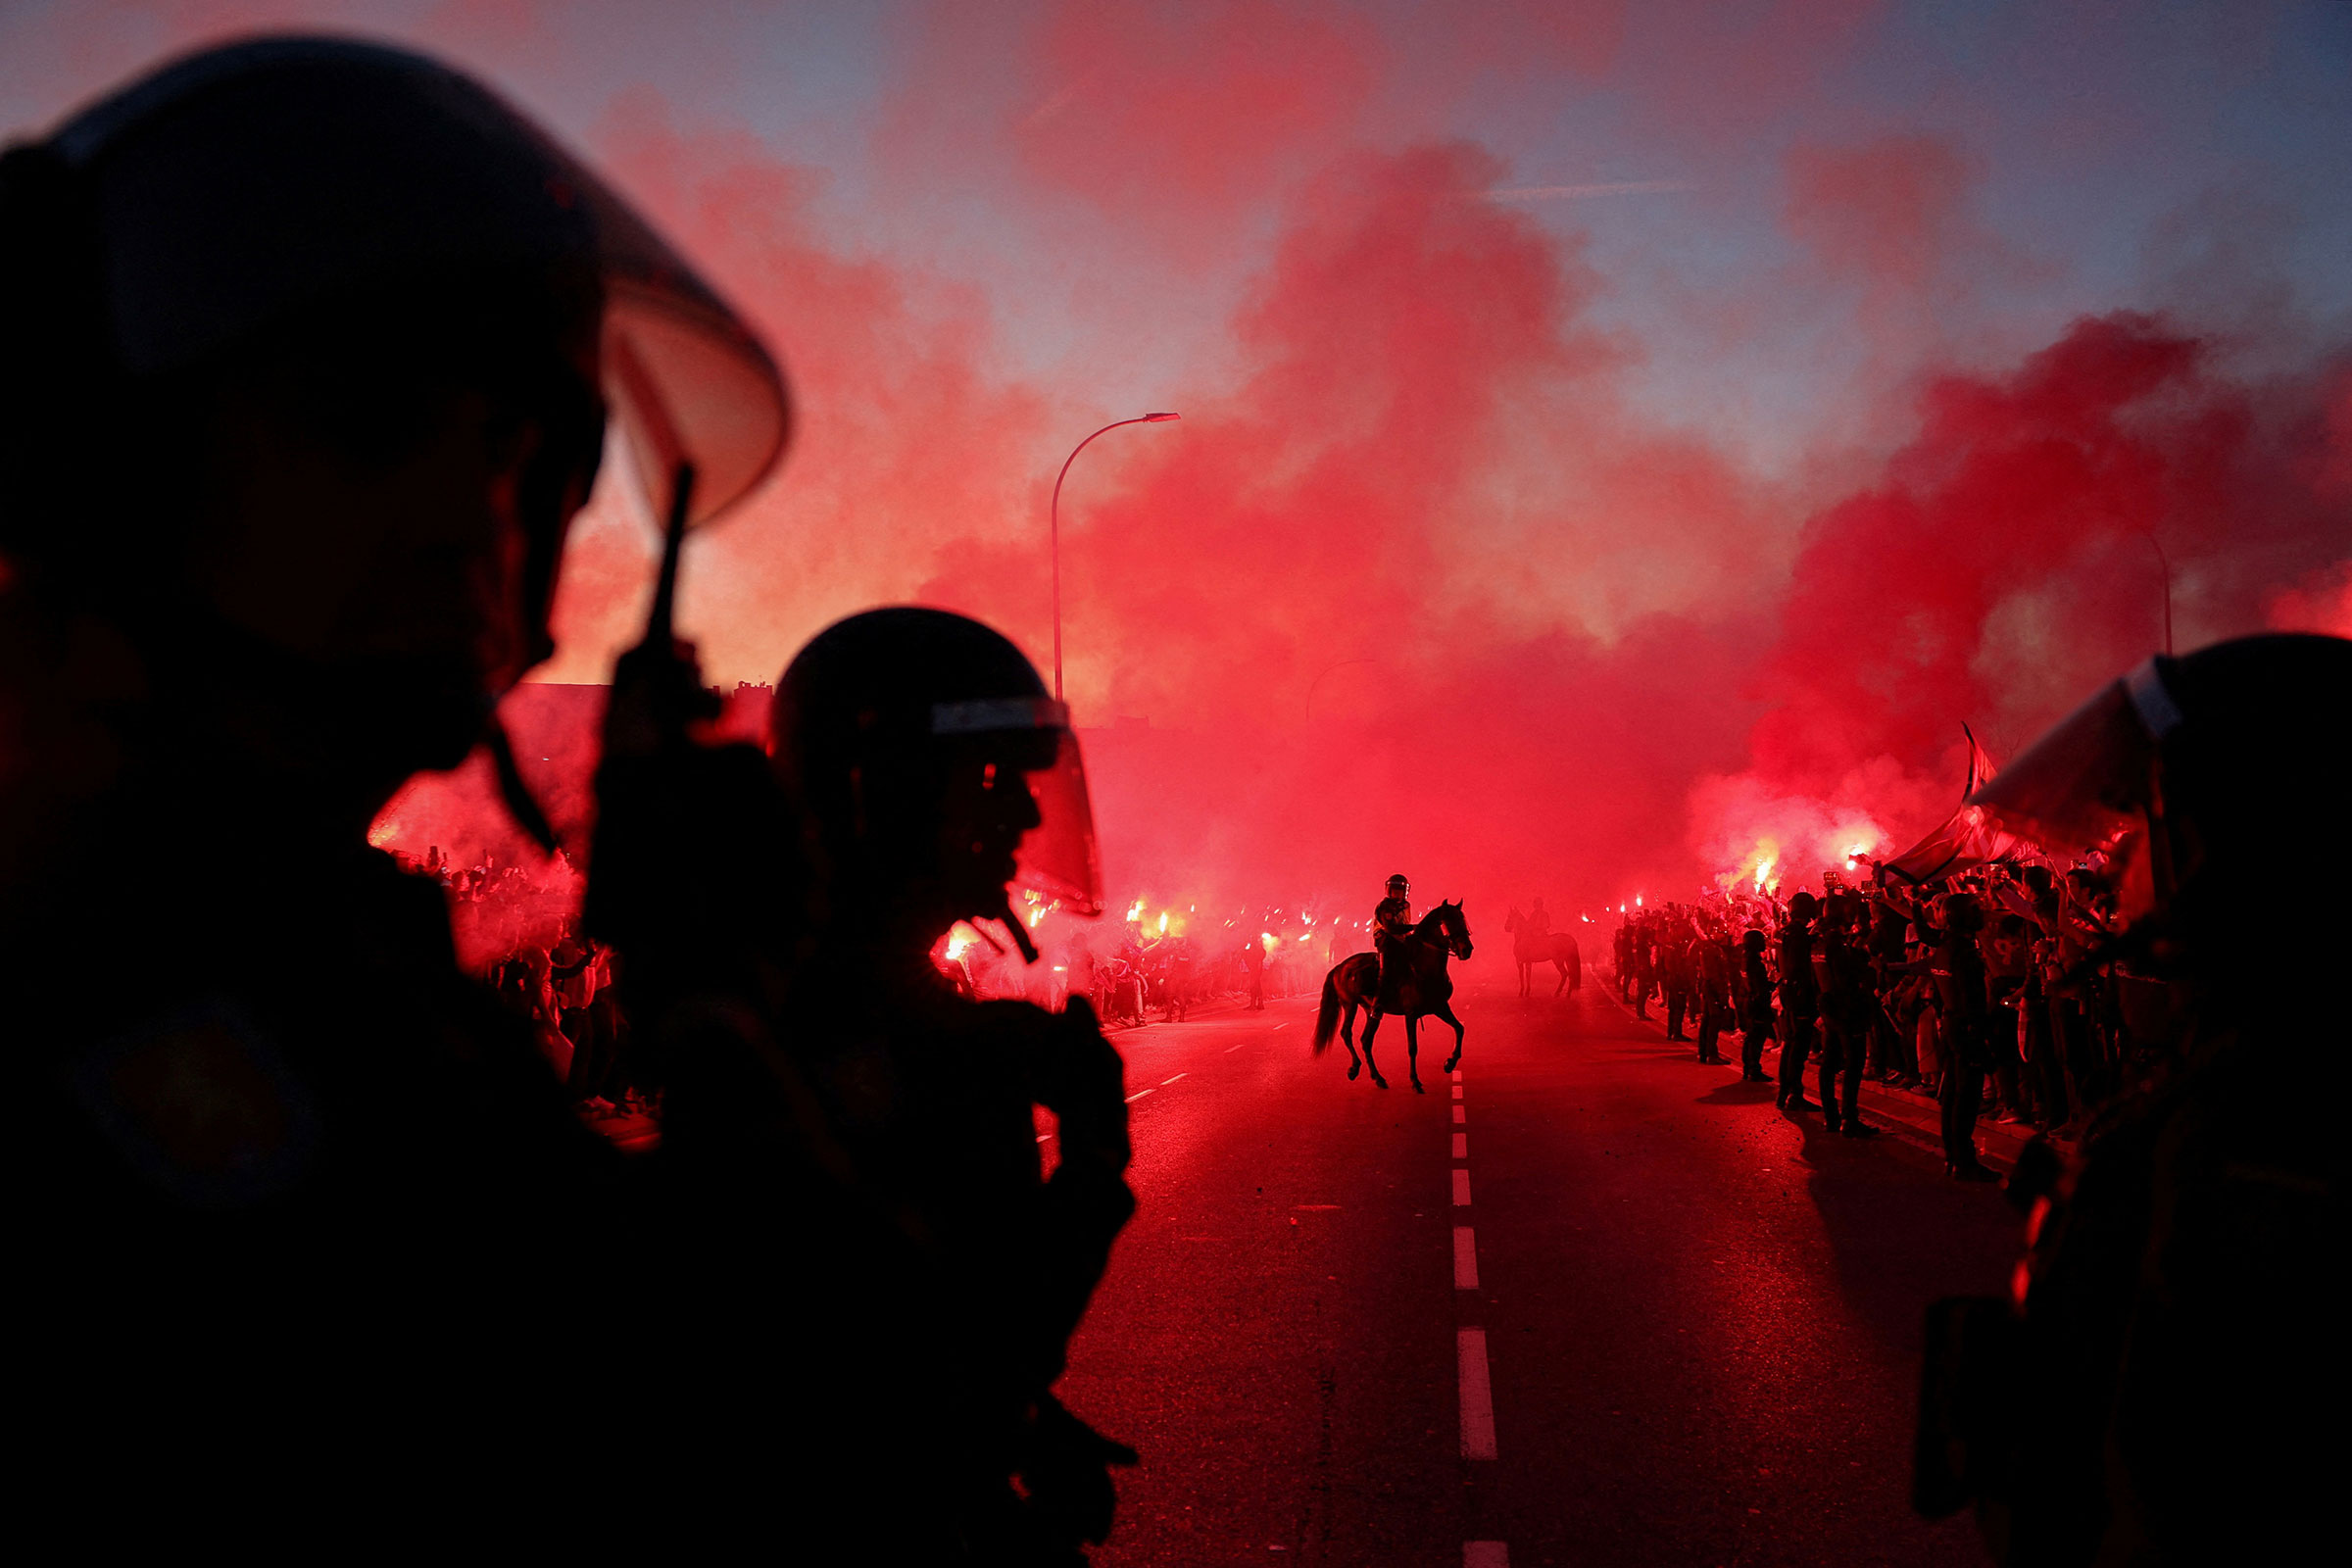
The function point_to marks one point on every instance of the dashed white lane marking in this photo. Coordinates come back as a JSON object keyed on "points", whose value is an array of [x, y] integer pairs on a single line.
{"points": [[1465, 1258], [1470, 1350], [1164, 1082], [1230, 1049], [1478, 1394], [1277, 1028], [1138, 1095], [1458, 1118]]}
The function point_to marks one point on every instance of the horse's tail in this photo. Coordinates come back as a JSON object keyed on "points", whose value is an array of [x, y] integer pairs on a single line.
{"points": [[1327, 1017]]}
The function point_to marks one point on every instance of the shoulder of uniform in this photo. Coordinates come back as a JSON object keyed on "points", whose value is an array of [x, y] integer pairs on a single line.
{"points": [[1079, 1017], [409, 908], [200, 1101], [1026, 1020]]}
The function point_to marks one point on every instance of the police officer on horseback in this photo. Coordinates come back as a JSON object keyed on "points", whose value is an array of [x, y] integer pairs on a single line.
{"points": [[1392, 923]]}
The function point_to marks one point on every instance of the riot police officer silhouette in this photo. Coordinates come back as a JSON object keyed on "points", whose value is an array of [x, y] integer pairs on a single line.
{"points": [[2162, 1383], [1755, 1004], [1392, 923], [308, 343], [1849, 1006], [1801, 1000], [859, 1138]]}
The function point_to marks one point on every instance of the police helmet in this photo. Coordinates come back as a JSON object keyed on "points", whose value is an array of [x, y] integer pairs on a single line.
{"points": [[2196, 772], [1399, 884], [244, 190], [885, 700]]}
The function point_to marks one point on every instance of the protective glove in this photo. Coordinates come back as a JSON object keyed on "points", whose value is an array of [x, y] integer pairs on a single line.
{"points": [[1065, 1469]]}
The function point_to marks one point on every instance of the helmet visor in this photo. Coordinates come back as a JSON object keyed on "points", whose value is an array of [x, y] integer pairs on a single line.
{"points": [[1056, 858], [2091, 774], [689, 387], [240, 185]]}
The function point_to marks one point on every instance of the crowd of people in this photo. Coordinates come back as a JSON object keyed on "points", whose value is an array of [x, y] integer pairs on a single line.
{"points": [[1138, 971], [1993, 991], [516, 929], [1173, 974]]}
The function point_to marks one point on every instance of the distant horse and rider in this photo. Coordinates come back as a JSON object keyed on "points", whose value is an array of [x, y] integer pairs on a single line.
{"points": [[1534, 942], [1414, 983]]}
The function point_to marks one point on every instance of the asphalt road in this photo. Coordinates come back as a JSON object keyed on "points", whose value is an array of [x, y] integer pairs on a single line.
{"points": [[1698, 1321]]}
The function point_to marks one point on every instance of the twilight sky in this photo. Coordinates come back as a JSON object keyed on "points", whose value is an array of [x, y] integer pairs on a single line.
{"points": [[1662, 423]]}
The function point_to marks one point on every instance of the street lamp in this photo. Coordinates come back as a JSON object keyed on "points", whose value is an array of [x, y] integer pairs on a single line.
{"points": [[2164, 565], [1147, 418]]}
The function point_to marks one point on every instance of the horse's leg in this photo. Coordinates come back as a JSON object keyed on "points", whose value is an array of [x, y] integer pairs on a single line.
{"points": [[1355, 1063], [1371, 1028], [1445, 1011], [1412, 1049], [1562, 966]]}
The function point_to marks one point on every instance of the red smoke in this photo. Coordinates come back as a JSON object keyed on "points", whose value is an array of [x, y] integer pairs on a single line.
{"points": [[2014, 555], [1420, 583], [1893, 213]]}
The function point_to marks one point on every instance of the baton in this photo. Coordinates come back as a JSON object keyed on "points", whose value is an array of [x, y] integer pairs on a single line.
{"points": [[659, 632]]}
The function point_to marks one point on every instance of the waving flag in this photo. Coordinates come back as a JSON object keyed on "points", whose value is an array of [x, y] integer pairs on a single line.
{"points": [[1965, 839]]}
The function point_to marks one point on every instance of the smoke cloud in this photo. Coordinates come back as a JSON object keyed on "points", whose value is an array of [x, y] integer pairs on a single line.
{"points": [[1434, 575]]}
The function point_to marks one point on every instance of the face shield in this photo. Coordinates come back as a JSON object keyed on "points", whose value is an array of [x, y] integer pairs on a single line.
{"points": [[1057, 858], [2090, 783]]}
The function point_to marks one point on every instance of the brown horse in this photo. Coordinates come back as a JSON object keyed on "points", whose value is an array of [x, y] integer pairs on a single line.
{"points": [[1529, 948], [1423, 990]]}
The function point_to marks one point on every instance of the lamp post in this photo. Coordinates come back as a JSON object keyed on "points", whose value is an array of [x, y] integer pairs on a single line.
{"points": [[2165, 566], [1147, 418]]}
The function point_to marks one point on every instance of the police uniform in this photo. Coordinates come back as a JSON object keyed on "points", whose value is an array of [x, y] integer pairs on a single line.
{"points": [[307, 1222], [1714, 959], [1801, 1010], [268, 1233], [1677, 978], [863, 1224], [1964, 1004], [1392, 923], [870, 1236], [1847, 1005], [1645, 956], [2158, 1383], [1756, 1011]]}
